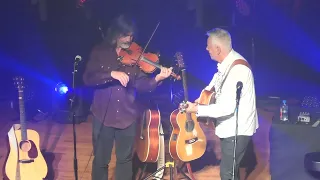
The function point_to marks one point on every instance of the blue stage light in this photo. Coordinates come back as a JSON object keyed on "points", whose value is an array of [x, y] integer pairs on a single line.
{"points": [[61, 88]]}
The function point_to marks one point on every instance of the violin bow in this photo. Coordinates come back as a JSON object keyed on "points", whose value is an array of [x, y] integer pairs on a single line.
{"points": [[144, 49]]}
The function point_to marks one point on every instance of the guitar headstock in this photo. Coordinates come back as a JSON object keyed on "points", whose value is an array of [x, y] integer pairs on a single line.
{"points": [[179, 59], [19, 82]]}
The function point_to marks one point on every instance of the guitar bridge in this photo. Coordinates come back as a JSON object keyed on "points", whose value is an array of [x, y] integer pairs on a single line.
{"points": [[191, 141], [26, 161]]}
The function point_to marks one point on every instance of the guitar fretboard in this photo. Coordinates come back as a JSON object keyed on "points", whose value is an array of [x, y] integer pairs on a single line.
{"points": [[184, 83], [186, 94], [22, 116]]}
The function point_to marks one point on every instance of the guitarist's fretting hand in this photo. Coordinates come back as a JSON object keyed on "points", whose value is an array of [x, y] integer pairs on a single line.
{"points": [[190, 107]]}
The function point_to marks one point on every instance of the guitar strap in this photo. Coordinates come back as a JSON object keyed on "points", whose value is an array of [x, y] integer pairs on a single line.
{"points": [[12, 137], [236, 62], [161, 159]]}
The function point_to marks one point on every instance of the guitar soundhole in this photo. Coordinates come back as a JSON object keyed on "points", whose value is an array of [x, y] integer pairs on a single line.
{"points": [[189, 126], [25, 146], [30, 147]]}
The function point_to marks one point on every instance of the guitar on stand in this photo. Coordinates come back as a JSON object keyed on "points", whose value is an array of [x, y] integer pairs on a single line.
{"points": [[148, 141], [149, 145], [25, 160], [188, 141]]}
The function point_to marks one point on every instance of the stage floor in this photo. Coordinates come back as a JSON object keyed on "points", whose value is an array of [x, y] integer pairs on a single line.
{"points": [[57, 145]]}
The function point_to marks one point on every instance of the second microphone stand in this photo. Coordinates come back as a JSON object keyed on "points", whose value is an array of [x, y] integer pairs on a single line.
{"points": [[239, 88], [72, 99]]}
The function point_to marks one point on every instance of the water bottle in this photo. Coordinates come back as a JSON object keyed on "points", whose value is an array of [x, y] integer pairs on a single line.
{"points": [[284, 111]]}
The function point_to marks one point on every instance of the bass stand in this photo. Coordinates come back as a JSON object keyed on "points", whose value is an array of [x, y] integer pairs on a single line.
{"points": [[72, 99]]}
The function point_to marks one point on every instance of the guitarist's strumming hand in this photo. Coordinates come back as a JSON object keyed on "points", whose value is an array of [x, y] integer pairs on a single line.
{"points": [[188, 107]]}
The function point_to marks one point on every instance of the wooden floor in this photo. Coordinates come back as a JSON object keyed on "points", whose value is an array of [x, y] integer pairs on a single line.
{"points": [[57, 145]]}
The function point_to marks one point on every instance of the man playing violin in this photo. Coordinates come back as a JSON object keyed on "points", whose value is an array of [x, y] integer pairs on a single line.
{"points": [[114, 109]]}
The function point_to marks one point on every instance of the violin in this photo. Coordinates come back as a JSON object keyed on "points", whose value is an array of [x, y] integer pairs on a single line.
{"points": [[148, 62]]}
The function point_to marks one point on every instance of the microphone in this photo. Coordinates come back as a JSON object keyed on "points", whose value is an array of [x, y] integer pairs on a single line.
{"points": [[239, 88], [239, 85], [78, 58]]}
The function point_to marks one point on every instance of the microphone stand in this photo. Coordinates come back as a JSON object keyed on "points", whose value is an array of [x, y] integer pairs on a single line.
{"points": [[236, 133], [72, 99]]}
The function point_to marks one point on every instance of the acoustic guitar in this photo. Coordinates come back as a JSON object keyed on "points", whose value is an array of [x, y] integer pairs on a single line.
{"points": [[25, 160], [207, 97], [188, 141], [148, 138]]}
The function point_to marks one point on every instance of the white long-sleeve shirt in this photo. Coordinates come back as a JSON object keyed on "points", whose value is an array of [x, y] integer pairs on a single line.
{"points": [[224, 108]]}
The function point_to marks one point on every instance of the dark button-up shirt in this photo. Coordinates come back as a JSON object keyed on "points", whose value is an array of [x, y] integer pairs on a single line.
{"points": [[114, 104]]}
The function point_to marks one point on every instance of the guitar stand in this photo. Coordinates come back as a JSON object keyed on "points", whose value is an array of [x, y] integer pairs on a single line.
{"points": [[170, 165], [182, 172]]}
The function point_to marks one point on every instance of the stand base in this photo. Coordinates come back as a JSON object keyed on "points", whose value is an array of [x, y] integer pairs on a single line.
{"points": [[170, 165]]}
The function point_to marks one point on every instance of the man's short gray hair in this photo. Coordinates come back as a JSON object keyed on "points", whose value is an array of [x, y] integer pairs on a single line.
{"points": [[221, 37]]}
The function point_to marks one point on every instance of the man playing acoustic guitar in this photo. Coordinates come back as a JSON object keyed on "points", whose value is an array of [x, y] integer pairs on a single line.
{"points": [[114, 109], [232, 68]]}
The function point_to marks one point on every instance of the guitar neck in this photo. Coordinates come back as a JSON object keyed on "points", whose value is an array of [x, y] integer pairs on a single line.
{"points": [[184, 83], [22, 116], [186, 94]]}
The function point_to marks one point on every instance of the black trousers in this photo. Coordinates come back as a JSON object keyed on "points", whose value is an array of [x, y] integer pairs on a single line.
{"points": [[103, 144], [226, 164]]}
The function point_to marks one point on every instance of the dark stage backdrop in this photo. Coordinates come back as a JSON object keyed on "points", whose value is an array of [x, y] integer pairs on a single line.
{"points": [[44, 51]]}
